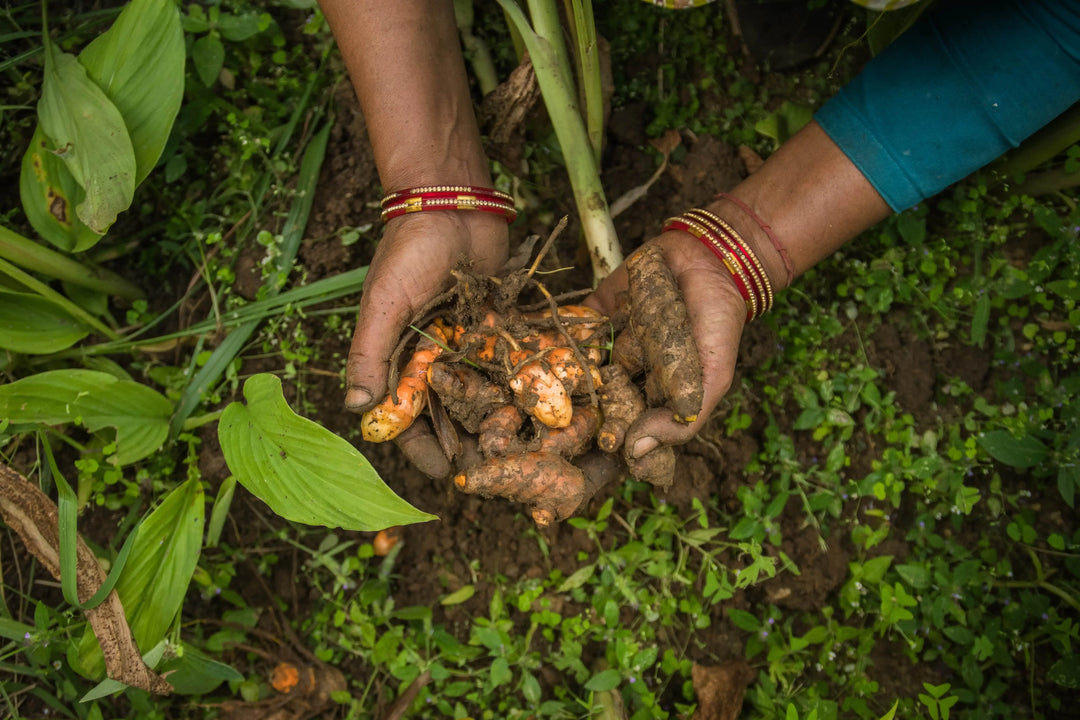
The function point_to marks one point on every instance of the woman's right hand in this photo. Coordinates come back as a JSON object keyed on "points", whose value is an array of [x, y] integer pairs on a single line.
{"points": [[411, 266]]}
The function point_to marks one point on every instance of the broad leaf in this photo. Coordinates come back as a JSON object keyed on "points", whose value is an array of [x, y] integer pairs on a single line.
{"points": [[304, 472], [158, 572], [35, 325], [49, 194], [95, 399], [139, 64], [195, 673], [88, 133], [1024, 452]]}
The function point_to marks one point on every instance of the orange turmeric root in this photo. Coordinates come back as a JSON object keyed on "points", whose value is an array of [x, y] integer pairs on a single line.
{"points": [[621, 404], [549, 484], [658, 315], [389, 419], [466, 394], [541, 394], [499, 432], [573, 439], [628, 352]]}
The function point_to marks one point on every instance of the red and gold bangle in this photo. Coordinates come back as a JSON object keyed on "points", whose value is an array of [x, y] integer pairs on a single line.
{"points": [[448, 197], [734, 252], [720, 227], [727, 257]]}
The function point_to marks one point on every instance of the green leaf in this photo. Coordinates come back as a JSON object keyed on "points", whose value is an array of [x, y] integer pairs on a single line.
{"points": [[459, 596], [912, 228], [193, 672], [35, 325], [744, 620], [916, 576], [981, 320], [237, 28], [1066, 671], [139, 64], [49, 193], [208, 55], [579, 578], [1024, 452], [220, 511], [500, 672], [303, 471], [1068, 483], [158, 572], [604, 680], [97, 400], [88, 133]]}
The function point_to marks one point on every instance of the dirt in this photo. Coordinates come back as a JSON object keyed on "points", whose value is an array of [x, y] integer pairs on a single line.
{"points": [[481, 542]]}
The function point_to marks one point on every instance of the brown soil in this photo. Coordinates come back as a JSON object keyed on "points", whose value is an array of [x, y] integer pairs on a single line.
{"points": [[482, 541]]}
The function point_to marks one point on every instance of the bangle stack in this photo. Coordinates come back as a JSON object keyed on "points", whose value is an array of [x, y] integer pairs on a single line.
{"points": [[448, 197], [745, 268]]}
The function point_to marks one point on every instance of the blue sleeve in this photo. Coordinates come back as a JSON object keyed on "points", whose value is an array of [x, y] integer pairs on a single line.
{"points": [[969, 81]]}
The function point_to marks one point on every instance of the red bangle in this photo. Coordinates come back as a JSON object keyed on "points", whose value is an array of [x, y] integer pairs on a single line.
{"points": [[448, 197], [736, 255], [725, 255], [740, 247]]}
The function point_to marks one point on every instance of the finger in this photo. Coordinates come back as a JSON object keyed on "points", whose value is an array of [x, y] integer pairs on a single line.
{"points": [[411, 266], [717, 315], [610, 296], [405, 275], [422, 449]]}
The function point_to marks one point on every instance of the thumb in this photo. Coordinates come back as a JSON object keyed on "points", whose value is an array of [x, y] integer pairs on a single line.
{"points": [[405, 275]]}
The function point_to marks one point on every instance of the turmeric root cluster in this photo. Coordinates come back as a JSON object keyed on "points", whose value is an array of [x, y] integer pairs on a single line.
{"points": [[534, 406]]}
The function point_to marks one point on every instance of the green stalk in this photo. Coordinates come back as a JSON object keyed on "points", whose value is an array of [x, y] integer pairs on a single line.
{"points": [[549, 59], [37, 258], [476, 50], [588, 55], [45, 291]]}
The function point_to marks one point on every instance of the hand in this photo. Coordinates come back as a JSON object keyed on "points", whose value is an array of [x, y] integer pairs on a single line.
{"points": [[412, 265], [717, 315]]}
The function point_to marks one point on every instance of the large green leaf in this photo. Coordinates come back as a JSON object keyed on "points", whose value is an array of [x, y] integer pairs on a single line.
{"points": [[33, 324], [304, 472], [139, 64], [158, 571], [97, 400], [89, 135]]}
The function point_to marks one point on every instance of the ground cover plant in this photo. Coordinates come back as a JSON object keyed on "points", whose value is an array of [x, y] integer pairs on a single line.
{"points": [[879, 518]]}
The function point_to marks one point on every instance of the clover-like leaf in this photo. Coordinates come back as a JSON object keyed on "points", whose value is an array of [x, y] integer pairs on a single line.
{"points": [[304, 472]]}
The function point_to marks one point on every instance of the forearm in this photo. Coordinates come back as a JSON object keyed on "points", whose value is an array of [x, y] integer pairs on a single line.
{"points": [[405, 62], [813, 198]]}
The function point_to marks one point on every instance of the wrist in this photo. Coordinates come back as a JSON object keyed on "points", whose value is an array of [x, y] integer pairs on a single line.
{"points": [[759, 236]]}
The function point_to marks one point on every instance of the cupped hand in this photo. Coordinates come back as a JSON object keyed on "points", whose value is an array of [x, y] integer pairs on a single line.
{"points": [[411, 266], [717, 315]]}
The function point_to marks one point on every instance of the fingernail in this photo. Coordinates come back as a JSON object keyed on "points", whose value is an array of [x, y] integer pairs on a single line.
{"points": [[357, 398], [644, 446]]}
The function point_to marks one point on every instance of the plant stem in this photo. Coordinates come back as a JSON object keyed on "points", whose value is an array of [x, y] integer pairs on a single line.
{"points": [[37, 258], [552, 74], [196, 422]]}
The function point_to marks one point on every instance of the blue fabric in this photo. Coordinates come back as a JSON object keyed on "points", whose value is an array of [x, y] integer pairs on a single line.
{"points": [[969, 81]]}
